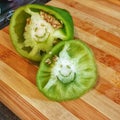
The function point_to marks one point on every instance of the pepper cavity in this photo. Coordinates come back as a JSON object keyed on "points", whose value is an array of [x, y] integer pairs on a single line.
{"points": [[40, 26]]}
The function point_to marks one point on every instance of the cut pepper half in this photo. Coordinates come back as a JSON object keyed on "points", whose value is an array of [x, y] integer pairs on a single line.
{"points": [[35, 29], [67, 71]]}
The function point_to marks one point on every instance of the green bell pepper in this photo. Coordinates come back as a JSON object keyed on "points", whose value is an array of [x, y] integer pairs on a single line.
{"points": [[67, 71], [35, 29]]}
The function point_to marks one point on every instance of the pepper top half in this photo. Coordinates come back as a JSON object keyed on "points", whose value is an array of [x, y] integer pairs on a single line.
{"points": [[35, 29]]}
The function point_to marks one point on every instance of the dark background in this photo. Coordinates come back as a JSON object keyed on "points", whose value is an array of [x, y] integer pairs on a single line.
{"points": [[7, 8], [5, 113]]}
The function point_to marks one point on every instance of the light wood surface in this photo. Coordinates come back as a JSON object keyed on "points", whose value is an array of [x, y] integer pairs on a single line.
{"points": [[97, 23]]}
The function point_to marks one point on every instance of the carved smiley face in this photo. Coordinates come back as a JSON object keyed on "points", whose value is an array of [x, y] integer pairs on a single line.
{"points": [[70, 74]]}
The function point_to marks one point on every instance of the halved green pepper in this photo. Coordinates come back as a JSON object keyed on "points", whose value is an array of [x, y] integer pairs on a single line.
{"points": [[35, 29], [67, 71]]}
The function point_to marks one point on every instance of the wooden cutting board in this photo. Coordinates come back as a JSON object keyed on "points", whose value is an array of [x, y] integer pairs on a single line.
{"points": [[97, 23]]}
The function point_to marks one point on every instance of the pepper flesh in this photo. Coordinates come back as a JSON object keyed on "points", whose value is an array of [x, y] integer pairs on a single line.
{"points": [[40, 29]]}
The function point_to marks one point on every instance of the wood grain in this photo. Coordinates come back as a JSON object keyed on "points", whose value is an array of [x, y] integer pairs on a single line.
{"points": [[97, 23]]}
